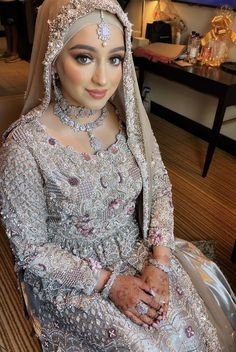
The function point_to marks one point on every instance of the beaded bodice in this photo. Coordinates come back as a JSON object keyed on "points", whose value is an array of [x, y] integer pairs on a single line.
{"points": [[91, 198]]}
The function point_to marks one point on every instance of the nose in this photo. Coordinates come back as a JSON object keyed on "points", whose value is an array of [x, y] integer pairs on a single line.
{"points": [[100, 74]]}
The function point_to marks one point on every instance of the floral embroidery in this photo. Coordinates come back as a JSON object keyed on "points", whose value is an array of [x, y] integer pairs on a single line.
{"points": [[131, 209], [112, 334], [189, 331], [83, 225], [114, 150], [51, 141], [94, 264], [73, 181], [156, 238], [115, 204], [86, 157], [87, 231], [179, 290]]}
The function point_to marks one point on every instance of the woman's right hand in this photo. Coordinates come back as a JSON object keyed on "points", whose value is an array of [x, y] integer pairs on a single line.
{"points": [[129, 291]]}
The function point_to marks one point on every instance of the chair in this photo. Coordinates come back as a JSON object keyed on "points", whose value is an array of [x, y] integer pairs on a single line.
{"points": [[10, 109]]}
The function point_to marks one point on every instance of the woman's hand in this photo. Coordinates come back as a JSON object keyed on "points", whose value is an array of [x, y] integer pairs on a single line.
{"points": [[158, 281], [127, 293]]}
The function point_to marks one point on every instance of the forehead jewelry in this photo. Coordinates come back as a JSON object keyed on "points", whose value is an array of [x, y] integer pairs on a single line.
{"points": [[103, 30]]}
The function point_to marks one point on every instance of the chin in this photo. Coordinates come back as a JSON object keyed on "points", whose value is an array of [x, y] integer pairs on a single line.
{"points": [[98, 104]]}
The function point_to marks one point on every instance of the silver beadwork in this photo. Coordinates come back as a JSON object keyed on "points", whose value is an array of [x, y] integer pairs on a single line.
{"points": [[159, 265], [107, 288]]}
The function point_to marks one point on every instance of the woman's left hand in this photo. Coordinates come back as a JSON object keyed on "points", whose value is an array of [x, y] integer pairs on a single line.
{"points": [[158, 281]]}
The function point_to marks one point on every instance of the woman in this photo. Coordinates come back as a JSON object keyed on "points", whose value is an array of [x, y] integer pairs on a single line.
{"points": [[86, 201]]}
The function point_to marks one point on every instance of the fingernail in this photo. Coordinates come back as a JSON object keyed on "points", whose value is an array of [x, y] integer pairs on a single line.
{"points": [[152, 293], [155, 325], [145, 326]]}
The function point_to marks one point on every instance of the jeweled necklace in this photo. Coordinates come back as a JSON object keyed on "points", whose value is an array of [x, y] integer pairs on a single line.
{"points": [[86, 127], [71, 110]]}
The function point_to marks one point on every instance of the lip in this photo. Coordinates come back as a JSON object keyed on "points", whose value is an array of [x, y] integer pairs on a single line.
{"points": [[97, 93]]}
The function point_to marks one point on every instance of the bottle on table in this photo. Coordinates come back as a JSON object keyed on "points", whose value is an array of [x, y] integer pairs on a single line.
{"points": [[189, 43], [194, 48]]}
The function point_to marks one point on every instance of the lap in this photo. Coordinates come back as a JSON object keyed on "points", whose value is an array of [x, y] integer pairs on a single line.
{"points": [[94, 323]]}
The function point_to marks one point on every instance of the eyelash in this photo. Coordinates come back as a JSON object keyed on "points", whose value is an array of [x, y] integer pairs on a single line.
{"points": [[120, 58], [82, 57]]}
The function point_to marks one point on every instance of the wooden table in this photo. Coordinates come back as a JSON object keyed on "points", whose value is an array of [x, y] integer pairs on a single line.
{"points": [[213, 81]]}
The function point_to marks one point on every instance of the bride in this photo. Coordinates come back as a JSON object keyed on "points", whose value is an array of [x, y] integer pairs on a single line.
{"points": [[87, 205]]}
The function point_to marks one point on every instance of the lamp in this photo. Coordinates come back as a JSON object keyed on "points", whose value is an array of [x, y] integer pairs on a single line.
{"points": [[143, 16]]}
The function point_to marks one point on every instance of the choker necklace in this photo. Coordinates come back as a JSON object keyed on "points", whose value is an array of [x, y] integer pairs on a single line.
{"points": [[71, 110], [86, 127]]}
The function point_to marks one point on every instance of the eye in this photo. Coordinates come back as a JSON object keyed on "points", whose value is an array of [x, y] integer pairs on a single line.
{"points": [[116, 60], [83, 59]]}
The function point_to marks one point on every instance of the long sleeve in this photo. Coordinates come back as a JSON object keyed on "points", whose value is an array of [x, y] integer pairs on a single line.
{"points": [[24, 214], [162, 221]]}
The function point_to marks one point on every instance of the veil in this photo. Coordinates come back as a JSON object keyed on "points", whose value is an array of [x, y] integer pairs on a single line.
{"points": [[55, 18]]}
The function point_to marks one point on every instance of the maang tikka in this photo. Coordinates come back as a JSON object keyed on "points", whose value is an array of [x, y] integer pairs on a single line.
{"points": [[103, 30]]}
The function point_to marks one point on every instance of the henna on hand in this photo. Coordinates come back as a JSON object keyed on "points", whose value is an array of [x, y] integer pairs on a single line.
{"points": [[159, 283], [127, 292]]}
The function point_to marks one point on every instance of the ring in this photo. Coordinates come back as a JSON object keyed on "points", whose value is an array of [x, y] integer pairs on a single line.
{"points": [[141, 308]]}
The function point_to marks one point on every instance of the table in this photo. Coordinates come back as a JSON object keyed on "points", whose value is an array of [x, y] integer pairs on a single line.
{"points": [[213, 81]]}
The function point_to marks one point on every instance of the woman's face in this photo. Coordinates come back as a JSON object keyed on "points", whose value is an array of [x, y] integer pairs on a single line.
{"points": [[90, 73]]}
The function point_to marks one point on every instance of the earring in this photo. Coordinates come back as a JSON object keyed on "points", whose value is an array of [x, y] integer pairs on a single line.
{"points": [[55, 83]]}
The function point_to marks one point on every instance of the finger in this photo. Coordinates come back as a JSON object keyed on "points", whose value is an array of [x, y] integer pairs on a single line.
{"points": [[160, 313], [145, 287], [133, 317], [146, 319], [151, 301], [143, 317], [152, 313], [165, 309]]}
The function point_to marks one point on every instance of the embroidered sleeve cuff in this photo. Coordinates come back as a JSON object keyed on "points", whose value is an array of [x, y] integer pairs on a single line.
{"points": [[157, 238]]}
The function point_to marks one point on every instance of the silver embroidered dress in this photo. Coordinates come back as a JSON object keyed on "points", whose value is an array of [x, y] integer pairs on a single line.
{"points": [[69, 214]]}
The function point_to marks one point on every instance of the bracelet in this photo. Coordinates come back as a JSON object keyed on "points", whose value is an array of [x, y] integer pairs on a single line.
{"points": [[159, 265], [107, 288]]}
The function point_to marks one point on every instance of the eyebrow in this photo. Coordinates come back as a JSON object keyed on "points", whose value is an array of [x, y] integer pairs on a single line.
{"points": [[91, 48]]}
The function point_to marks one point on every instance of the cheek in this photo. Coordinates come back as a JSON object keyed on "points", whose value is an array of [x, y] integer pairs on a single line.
{"points": [[73, 73], [116, 76]]}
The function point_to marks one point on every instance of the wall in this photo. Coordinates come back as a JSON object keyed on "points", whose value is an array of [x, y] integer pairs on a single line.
{"points": [[185, 101]]}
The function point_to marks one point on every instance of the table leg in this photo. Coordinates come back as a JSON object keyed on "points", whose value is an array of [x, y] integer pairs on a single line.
{"points": [[233, 257], [140, 79], [219, 116]]}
